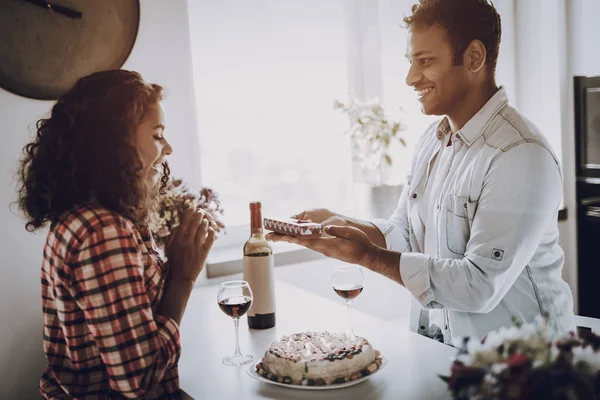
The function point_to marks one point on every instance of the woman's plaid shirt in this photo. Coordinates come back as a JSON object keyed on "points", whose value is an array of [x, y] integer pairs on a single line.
{"points": [[102, 282]]}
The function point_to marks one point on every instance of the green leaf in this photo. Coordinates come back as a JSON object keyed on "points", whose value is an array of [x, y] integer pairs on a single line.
{"points": [[388, 159]]}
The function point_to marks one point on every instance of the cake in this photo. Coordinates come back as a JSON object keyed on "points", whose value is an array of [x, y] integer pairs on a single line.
{"points": [[318, 358]]}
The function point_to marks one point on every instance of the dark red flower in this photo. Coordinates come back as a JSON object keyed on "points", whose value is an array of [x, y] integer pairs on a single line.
{"points": [[518, 360]]}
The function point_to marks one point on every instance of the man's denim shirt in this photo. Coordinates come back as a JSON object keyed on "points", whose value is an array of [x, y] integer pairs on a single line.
{"points": [[498, 255]]}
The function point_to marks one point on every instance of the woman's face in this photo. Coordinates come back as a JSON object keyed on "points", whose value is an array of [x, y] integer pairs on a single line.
{"points": [[151, 144]]}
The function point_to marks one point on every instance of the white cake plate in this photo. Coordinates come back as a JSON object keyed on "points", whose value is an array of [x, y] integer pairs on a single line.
{"points": [[252, 372]]}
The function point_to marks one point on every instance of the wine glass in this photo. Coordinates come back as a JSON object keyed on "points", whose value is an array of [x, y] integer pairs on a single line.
{"points": [[348, 282], [235, 299]]}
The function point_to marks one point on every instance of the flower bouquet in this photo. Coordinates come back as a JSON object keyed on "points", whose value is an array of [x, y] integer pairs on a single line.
{"points": [[177, 198], [522, 362]]}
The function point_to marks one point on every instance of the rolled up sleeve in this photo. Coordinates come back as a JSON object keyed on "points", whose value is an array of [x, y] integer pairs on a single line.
{"points": [[520, 198], [414, 270]]}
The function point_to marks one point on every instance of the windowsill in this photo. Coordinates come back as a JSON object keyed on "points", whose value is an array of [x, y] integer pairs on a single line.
{"points": [[228, 260]]}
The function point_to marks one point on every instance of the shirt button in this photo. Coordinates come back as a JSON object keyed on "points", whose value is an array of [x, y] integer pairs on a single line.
{"points": [[438, 207], [465, 205], [414, 195], [446, 327]]}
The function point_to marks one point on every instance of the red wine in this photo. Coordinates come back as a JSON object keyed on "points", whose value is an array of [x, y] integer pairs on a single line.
{"points": [[348, 291], [235, 306]]}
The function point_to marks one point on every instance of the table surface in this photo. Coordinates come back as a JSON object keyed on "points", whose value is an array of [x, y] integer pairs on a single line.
{"points": [[207, 335]]}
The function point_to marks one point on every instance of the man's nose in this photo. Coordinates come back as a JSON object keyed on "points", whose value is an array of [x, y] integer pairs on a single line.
{"points": [[413, 75]]}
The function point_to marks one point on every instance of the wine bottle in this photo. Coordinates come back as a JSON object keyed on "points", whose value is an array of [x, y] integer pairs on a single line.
{"points": [[259, 272]]}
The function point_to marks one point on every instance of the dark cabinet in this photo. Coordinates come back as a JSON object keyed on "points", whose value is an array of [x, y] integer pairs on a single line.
{"points": [[587, 157]]}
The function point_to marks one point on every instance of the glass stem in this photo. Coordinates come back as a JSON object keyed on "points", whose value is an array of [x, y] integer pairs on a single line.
{"points": [[349, 306], [237, 352]]}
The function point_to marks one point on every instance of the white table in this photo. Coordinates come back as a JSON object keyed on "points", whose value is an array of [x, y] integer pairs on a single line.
{"points": [[207, 335]]}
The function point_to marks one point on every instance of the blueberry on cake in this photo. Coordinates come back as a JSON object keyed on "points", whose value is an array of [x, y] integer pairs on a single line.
{"points": [[318, 358]]}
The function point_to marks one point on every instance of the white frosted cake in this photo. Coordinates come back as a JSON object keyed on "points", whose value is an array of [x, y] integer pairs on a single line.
{"points": [[318, 358]]}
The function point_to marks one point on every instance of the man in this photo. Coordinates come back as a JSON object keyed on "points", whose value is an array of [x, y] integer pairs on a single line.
{"points": [[475, 232]]}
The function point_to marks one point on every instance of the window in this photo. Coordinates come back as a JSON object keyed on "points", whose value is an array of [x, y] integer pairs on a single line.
{"points": [[266, 75]]}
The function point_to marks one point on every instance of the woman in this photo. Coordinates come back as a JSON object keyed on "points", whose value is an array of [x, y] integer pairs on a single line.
{"points": [[111, 306]]}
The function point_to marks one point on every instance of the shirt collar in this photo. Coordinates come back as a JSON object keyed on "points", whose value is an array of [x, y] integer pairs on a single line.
{"points": [[474, 128]]}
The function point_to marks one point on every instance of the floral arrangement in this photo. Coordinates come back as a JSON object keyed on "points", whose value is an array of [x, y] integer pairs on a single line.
{"points": [[522, 362], [178, 198], [371, 132]]}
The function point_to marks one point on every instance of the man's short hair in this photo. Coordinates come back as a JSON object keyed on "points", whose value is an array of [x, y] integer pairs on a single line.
{"points": [[464, 21]]}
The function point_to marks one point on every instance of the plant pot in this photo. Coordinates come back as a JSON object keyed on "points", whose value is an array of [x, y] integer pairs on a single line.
{"points": [[376, 201]]}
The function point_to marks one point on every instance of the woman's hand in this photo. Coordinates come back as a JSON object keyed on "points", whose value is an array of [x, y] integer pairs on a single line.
{"points": [[189, 244]]}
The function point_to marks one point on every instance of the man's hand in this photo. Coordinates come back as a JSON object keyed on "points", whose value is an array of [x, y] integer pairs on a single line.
{"points": [[345, 243], [318, 215], [322, 216]]}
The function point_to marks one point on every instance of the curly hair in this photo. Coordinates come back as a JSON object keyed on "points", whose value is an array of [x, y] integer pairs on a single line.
{"points": [[464, 21], [84, 151]]}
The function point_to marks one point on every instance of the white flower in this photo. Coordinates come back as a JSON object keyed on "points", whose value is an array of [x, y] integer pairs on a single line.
{"points": [[587, 355], [528, 330], [512, 333], [458, 342], [538, 363], [498, 368], [492, 340], [473, 346]]}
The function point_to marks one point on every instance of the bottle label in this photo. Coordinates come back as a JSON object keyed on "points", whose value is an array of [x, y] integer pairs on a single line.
{"points": [[259, 273]]}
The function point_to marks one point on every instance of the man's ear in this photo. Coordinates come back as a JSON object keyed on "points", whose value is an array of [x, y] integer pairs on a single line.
{"points": [[474, 56]]}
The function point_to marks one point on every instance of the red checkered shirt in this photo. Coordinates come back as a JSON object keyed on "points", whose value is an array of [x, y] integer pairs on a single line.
{"points": [[102, 282]]}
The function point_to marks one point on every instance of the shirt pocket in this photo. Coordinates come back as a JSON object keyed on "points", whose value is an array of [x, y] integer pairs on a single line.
{"points": [[459, 215]]}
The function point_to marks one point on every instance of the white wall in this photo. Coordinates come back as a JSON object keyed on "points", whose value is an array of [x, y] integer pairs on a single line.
{"points": [[162, 55], [584, 32], [506, 69]]}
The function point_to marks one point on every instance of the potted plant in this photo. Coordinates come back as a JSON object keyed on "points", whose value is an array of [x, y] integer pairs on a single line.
{"points": [[373, 135]]}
